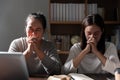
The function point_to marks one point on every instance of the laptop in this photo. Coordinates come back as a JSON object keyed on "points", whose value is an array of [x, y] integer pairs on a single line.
{"points": [[13, 66]]}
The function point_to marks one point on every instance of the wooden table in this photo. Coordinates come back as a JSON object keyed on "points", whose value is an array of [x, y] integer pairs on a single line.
{"points": [[94, 76]]}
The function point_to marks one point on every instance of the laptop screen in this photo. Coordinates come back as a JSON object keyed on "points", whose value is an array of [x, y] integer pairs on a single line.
{"points": [[13, 66]]}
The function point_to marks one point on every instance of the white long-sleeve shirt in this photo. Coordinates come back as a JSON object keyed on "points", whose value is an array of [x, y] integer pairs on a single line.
{"points": [[90, 63]]}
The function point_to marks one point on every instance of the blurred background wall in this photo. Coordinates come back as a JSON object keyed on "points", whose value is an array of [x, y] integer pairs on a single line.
{"points": [[12, 18]]}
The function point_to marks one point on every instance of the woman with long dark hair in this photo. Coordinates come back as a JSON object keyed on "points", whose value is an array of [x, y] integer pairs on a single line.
{"points": [[93, 54]]}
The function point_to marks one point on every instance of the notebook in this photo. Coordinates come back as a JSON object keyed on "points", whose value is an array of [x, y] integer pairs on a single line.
{"points": [[13, 66]]}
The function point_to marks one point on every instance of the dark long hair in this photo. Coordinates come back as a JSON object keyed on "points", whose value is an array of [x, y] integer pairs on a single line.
{"points": [[93, 19]]}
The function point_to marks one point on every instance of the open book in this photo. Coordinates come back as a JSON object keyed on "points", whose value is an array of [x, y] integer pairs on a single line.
{"points": [[76, 76], [71, 76]]}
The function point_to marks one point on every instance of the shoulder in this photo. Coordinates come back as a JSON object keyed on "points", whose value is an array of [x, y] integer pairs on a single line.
{"points": [[109, 44], [75, 49], [47, 42], [18, 41], [76, 46]]}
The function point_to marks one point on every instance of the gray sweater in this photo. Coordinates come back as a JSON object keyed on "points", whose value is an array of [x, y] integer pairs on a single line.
{"points": [[51, 64]]}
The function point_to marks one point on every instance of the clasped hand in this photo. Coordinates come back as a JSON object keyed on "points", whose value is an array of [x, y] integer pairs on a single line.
{"points": [[91, 45], [32, 44]]}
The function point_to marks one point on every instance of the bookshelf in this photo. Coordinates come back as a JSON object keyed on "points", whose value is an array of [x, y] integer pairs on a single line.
{"points": [[65, 18]]}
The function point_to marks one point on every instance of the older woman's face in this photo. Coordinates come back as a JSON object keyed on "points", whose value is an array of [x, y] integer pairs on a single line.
{"points": [[93, 31], [34, 28]]}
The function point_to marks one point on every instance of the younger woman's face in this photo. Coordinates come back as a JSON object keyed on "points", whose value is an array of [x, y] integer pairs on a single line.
{"points": [[93, 31], [34, 29]]}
